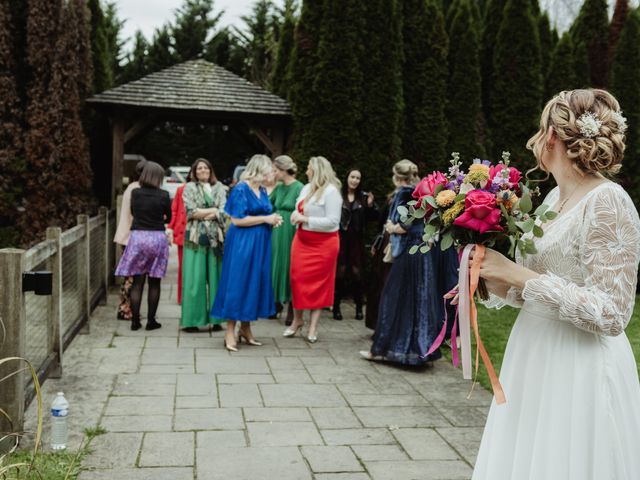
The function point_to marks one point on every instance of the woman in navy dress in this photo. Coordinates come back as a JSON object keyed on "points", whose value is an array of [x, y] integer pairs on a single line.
{"points": [[411, 310], [245, 293]]}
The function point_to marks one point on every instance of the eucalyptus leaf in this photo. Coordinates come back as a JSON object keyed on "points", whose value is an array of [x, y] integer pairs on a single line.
{"points": [[425, 248], [527, 225], [447, 241], [403, 211], [412, 203], [431, 201], [525, 204], [537, 231], [550, 215], [541, 209], [413, 249], [420, 213], [430, 230]]}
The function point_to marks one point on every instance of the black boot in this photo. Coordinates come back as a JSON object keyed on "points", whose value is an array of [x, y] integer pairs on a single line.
{"points": [[135, 324], [337, 314], [359, 315], [152, 324], [289, 320]]}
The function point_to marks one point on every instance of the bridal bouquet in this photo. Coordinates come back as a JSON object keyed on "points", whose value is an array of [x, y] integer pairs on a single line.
{"points": [[488, 206]]}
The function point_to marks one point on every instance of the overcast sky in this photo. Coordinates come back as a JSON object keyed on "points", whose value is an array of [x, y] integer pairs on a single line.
{"points": [[147, 15]]}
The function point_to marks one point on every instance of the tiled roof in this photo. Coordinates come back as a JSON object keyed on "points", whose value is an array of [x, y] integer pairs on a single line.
{"points": [[196, 85]]}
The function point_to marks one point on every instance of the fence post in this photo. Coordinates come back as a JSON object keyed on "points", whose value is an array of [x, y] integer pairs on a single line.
{"points": [[13, 316], [104, 214], [54, 339], [84, 257]]}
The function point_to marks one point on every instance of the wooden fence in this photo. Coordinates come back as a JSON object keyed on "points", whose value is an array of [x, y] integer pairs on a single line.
{"points": [[39, 328]]}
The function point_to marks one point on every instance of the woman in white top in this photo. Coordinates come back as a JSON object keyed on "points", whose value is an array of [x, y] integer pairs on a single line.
{"points": [[315, 247]]}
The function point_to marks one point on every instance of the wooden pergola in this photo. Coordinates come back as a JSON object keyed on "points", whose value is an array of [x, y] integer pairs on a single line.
{"points": [[198, 91]]}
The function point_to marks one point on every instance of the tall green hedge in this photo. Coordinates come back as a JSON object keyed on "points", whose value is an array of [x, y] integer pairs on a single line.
{"points": [[591, 28], [464, 89], [625, 86], [425, 74], [562, 69], [518, 85]]}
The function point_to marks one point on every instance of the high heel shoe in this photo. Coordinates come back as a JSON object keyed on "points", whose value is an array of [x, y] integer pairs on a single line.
{"points": [[229, 347], [312, 338], [291, 332], [250, 341]]}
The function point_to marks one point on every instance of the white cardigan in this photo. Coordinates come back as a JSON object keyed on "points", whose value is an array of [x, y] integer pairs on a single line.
{"points": [[324, 212]]}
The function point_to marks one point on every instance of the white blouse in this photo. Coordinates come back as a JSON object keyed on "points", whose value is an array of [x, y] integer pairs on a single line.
{"points": [[324, 212]]}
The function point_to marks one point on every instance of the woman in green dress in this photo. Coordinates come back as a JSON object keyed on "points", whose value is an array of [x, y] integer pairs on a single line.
{"points": [[204, 199], [283, 198]]}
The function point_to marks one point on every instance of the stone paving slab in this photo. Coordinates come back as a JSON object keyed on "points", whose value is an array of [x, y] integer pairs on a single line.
{"points": [[179, 406]]}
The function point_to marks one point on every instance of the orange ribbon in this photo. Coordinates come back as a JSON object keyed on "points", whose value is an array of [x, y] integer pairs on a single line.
{"points": [[474, 275]]}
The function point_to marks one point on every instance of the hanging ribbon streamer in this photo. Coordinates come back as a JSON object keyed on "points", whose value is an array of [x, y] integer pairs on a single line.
{"points": [[467, 317]]}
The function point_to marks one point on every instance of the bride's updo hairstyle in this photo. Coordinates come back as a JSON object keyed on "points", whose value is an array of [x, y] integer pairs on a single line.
{"points": [[591, 126]]}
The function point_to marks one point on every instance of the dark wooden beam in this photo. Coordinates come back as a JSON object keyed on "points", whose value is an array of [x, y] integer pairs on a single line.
{"points": [[117, 160], [139, 128]]}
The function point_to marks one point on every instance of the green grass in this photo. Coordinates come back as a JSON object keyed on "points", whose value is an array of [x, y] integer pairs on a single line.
{"points": [[63, 465], [495, 327]]}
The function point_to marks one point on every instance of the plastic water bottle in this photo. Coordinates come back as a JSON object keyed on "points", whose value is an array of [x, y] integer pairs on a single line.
{"points": [[59, 426]]}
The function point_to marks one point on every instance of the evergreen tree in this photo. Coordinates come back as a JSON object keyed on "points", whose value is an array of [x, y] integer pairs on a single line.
{"points": [[492, 20], [301, 72], [583, 67], [113, 27], [279, 83], [160, 54], [224, 50], [193, 24], [42, 115], [11, 133], [335, 129], [620, 14], [136, 66], [591, 28], [464, 89], [259, 42], [625, 73], [102, 63], [518, 85], [70, 82], [546, 41], [562, 69], [425, 73], [382, 106]]}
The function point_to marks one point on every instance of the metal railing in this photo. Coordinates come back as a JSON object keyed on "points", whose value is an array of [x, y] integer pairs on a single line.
{"points": [[39, 327]]}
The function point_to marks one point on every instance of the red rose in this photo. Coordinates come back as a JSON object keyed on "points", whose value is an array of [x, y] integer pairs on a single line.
{"points": [[481, 212], [427, 187], [514, 174]]}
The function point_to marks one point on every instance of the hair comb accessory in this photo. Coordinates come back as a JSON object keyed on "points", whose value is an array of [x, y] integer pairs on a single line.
{"points": [[620, 120], [589, 124]]}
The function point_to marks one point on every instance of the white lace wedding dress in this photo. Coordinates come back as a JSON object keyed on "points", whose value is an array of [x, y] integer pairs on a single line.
{"points": [[569, 375]]}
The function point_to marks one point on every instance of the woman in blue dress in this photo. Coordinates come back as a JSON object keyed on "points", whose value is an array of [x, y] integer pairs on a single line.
{"points": [[411, 310], [245, 293]]}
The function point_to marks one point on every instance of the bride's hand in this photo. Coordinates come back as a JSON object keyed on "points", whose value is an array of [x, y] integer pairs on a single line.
{"points": [[494, 266]]}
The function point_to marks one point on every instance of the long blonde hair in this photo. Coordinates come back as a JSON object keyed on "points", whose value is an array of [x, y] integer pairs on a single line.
{"points": [[258, 165], [323, 175], [406, 171]]}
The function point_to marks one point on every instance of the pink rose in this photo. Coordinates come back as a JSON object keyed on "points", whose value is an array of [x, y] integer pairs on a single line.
{"points": [[514, 174], [481, 212], [427, 187]]}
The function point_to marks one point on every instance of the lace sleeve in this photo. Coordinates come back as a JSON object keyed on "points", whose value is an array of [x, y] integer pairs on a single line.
{"points": [[609, 259], [513, 299]]}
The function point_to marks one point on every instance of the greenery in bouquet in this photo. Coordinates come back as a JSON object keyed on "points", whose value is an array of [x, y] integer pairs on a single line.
{"points": [[488, 205]]}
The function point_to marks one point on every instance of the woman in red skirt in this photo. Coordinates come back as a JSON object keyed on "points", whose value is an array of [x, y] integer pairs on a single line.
{"points": [[315, 246]]}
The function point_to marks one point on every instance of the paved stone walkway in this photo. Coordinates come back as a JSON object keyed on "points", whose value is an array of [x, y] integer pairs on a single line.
{"points": [[178, 406]]}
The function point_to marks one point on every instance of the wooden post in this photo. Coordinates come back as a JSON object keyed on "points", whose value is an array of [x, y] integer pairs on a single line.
{"points": [[104, 214], [118, 248], [54, 339], [84, 255], [13, 316], [118, 133], [278, 141]]}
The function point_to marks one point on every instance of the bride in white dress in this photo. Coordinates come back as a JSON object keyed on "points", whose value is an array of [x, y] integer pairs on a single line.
{"points": [[569, 375]]}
